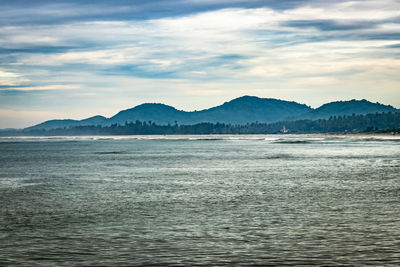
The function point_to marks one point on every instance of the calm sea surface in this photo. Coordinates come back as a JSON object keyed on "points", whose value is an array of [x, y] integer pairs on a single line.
{"points": [[200, 200]]}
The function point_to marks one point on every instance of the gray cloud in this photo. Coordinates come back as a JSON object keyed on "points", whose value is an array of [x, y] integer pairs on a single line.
{"points": [[47, 12], [332, 25], [76, 51]]}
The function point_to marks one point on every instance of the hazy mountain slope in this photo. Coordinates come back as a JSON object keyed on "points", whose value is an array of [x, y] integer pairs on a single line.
{"points": [[158, 113], [95, 120], [251, 109], [347, 108], [52, 124]]}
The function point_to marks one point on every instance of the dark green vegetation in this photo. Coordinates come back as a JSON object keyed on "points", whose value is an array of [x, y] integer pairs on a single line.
{"points": [[239, 111], [378, 122]]}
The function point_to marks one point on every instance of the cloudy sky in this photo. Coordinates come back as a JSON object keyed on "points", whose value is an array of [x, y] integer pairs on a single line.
{"points": [[75, 59]]}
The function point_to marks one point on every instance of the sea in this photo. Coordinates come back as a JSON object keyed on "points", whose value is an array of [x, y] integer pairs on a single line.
{"points": [[213, 200]]}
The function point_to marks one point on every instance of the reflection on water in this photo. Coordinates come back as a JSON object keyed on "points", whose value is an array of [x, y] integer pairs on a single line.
{"points": [[185, 200]]}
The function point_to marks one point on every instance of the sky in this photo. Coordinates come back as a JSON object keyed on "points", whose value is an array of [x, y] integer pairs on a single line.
{"points": [[76, 59]]}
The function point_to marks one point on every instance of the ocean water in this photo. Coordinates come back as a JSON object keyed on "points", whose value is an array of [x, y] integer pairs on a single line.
{"points": [[200, 200]]}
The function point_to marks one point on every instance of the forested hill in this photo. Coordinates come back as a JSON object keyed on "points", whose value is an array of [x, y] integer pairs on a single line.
{"points": [[377, 122], [346, 108], [242, 110]]}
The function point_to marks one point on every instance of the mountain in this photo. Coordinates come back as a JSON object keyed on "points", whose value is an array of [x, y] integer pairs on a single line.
{"points": [[242, 110], [95, 120], [158, 113], [247, 109], [237, 111], [52, 124], [339, 108]]}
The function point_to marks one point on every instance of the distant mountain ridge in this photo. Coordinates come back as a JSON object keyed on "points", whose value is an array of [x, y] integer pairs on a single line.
{"points": [[52, 124], [242, 110], [353, 106]]}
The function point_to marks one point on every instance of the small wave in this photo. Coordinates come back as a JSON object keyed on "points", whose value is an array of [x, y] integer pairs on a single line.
{"points": [[17, 183], [277, 156], [292, 141], [203, 139], [373, 139], [109, 152]]}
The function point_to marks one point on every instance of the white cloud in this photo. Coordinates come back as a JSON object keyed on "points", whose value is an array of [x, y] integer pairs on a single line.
{"points": [[221, 53], [47, 87], [8, 78]]}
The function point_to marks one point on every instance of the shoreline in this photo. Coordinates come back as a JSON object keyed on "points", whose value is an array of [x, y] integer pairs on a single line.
{"points": [[205, 136]]}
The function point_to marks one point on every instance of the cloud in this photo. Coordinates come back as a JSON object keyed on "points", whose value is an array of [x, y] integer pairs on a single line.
{"points": [[331, 25], [43, 88], [8, 78], [124, 54], [47, 12]]}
